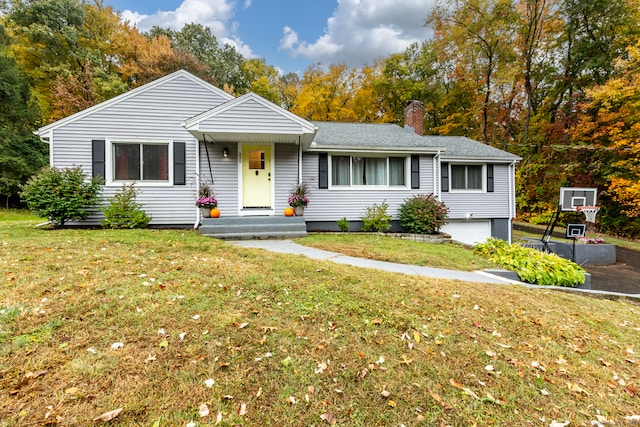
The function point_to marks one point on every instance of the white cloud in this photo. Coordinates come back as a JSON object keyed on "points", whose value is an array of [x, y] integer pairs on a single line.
{"points": [[362, 30], [216, 14]]}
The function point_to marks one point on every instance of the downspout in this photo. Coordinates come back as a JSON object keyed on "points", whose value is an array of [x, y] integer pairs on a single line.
{"points": [[299, 160], [437, 172], [197, 223], [512, 202]]}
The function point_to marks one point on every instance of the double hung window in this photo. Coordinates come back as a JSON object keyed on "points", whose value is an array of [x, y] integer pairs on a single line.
{"points": [[140, 162], [367, 171]]}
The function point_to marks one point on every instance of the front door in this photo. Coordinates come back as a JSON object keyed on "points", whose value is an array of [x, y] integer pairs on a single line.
{"points": [[256, 176]]}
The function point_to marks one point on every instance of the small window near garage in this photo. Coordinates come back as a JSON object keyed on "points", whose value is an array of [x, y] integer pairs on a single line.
{"points": [[368, 171], [466, 177], [140, 162]]}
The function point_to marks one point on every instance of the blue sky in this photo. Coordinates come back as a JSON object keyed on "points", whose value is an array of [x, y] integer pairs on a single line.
{"points": [[293, 34]]}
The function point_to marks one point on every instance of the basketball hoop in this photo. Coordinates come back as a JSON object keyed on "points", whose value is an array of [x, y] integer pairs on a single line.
{"points": [[589, 212]]}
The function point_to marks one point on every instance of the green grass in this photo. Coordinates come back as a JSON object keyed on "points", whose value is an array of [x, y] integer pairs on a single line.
{"points": [[452, 256], [275, 329]]}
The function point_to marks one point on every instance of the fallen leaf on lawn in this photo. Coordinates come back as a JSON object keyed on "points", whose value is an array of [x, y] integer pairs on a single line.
{"points": [[329, 417], [116, 345], [489, 368], [182, 335], [72, 390], [633, 418], [209, 382], [161, 331], [631, 390], [311, 389], [376, 321], [416, 336], [380, 361], [321, 368], [259, 392], [164, 344], [108, 416], [150, 358], [196, 317], [227, 397], [204, 410], [544, 392], [32, 375], [292, 400], [391, 403], [455, 383], [577, 389], [555, 423], [440, 401], [218, 418], [243, 409], [243, 325], [490, 353], [406, 360], [385, 393]]}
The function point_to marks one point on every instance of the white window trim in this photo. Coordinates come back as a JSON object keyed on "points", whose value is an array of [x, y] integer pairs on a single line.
{"points": [[110, 154], [460, 190], [407, 172]]}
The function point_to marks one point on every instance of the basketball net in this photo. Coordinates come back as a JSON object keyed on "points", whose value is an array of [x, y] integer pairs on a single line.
{"points": [[589, 212]]}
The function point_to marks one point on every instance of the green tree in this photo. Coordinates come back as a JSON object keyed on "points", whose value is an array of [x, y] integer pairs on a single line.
{"points": [[21, 153]]}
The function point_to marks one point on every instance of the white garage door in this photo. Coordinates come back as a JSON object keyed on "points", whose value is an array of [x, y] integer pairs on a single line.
{"points": [[468, 232]]}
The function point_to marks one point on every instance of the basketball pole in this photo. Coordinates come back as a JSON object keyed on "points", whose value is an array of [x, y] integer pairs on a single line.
{"points": [[549, 230]]}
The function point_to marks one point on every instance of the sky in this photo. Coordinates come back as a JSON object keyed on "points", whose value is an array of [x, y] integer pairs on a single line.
{"points": [[291, 35]]}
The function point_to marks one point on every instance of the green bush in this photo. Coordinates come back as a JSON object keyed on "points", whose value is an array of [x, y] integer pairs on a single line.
{"points": [[343, 224], [123, 211], [532, 266], [376, 218], [423, 214], [61, 195]]}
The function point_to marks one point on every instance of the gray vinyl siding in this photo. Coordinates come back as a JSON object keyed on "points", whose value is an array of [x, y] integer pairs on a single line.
{"points": [[154, 114], [482, 204], [334, 204], [251, 117], [286, 174]]}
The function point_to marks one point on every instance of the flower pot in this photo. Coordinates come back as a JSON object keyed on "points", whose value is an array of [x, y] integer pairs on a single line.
{"points": [[299, 210], [206, 212]]}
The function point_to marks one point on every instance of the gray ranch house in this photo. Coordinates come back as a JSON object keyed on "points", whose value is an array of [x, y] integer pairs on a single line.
{"points": [[169, 135]]}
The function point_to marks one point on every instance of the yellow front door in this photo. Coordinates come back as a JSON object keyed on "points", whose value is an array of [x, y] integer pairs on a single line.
{"points": [[256, 176]]}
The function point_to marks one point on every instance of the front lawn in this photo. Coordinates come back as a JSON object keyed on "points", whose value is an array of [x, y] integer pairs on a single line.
{"points": [[175, 328], [447, 255]]}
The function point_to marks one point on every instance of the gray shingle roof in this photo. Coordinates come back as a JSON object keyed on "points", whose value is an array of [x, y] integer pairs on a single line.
{"points": [[384, 137]]}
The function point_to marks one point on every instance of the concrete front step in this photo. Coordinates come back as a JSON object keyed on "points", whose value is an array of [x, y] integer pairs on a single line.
{"points": [[254, 227]]}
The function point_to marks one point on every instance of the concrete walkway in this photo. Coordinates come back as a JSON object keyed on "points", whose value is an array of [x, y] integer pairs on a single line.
{"points": [[290, 247]]}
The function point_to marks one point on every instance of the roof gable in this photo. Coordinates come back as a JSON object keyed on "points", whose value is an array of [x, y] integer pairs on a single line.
{"points": [[131, 94]]}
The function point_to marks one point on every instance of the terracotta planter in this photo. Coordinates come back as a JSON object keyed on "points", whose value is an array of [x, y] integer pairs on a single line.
{"points": [[299, 210]]}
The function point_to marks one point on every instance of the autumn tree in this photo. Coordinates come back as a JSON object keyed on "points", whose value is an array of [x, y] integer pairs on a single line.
{"points": [[263, 79], [610, 125]]}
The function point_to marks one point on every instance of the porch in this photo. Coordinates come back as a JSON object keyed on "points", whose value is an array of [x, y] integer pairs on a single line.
{"points": [[254, 227]]}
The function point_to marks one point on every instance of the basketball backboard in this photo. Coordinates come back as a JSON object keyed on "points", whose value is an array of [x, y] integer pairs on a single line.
{"points": [[571, 198], [575, 230]]}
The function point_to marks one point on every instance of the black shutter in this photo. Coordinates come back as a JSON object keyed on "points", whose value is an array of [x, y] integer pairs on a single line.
{"points": [[490, 178], [415, 171], [179, 164], [323, 170], [444, 172], [97, 158]]}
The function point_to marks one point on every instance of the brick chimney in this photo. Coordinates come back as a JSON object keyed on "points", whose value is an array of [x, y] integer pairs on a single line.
{"points": [[413, 116]]}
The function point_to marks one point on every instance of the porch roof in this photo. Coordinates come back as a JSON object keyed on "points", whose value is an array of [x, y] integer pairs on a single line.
{"points": [[251, 118]]}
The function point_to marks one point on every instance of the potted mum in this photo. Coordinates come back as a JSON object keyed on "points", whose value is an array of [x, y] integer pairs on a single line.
{"points": [[206, 205], [298, 198]]}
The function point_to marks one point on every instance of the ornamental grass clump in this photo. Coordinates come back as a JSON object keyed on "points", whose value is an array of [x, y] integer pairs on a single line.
{"points": [[532, 266], [423, 214]]}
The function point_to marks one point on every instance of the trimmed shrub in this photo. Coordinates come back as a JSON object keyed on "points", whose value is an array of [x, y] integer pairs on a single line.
{"points": [[61, 195], [376, 218], [423, 214], [123, 211], [343, 224], [532, 266]]}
